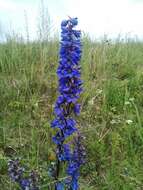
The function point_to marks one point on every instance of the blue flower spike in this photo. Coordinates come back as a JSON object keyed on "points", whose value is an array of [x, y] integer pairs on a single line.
{"points": [[66, 106]]}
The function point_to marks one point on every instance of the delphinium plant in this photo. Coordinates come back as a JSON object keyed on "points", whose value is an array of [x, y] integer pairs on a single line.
{"points": [[67, 106], [69, 153], [17, 175]]}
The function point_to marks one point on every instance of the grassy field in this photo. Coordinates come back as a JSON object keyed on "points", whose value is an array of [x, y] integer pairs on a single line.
{"points": [[111, 117]]}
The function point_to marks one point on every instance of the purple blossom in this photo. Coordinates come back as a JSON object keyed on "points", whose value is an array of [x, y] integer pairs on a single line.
{"points": [[15, 170], [59, 186], [16, 173]]}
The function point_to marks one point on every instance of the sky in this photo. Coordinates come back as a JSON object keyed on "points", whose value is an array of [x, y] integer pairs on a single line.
{"points": [[96, 17]]}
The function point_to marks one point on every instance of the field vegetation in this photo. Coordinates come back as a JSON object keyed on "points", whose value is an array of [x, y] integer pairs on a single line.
{"points": [[111, 110]]}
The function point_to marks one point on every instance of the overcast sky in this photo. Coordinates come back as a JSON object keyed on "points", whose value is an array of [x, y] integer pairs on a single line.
{"points": [[96, 17]]}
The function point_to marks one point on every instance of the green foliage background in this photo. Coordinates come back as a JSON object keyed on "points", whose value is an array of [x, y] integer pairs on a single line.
{"points": [[111, 117]]}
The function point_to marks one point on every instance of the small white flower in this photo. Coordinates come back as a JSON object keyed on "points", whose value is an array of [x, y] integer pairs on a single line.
{"points": [[91, 102], [127, 103], [113, 121], [129, 121]]}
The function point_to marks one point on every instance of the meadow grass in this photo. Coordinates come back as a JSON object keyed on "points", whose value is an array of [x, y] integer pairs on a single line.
{"points": [[111, 116]]}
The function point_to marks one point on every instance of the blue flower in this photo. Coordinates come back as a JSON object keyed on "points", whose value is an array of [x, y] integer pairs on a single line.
{"points": [[59, 186], [25, 184], [74, 21], [64, 153], [74, 184], [64, 22], [70, 127], [77, 109], [58, 138]]}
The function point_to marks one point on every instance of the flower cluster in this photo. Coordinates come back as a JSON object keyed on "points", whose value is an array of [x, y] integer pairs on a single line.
{"points": [[77, 159], [69, 82], [70, 87], [16, 173]]}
